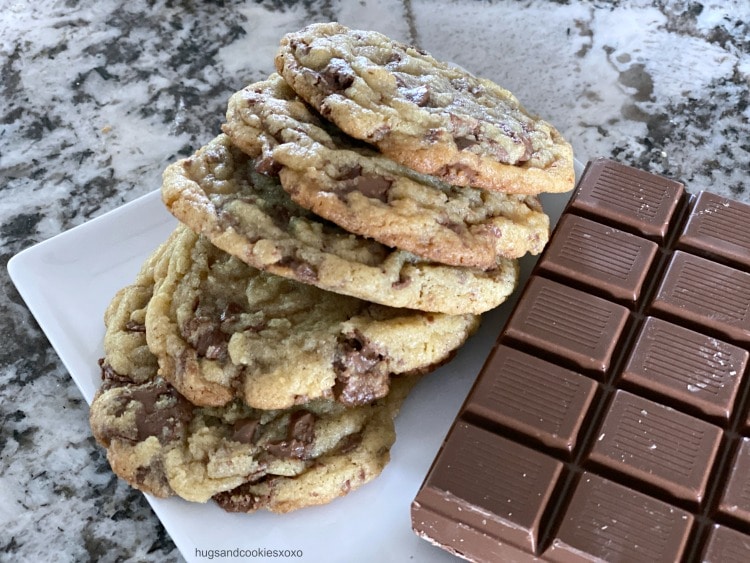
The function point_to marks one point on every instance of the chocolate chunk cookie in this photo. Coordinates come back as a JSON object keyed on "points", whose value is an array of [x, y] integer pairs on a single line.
{"points": [[219, 193], [125, 321], [223, 330], [431, 116], [160, 443], [327, 172], [278, 460]]}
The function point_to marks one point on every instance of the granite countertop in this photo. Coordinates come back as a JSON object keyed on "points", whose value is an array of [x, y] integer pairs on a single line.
{"points": [[98, 97]]}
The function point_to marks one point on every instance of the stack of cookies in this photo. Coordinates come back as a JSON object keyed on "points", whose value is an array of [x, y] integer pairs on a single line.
{"points": [[340, 239]]}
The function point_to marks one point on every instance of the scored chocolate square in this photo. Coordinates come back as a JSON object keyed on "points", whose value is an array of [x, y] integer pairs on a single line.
{"points": [[543, 401], [725, 545], [606, 521], [720, 228], [663, 448], [698, 371], [605, 260], [706, 294], [632, 199], [581, 329], [491, 484], [735, 502]]}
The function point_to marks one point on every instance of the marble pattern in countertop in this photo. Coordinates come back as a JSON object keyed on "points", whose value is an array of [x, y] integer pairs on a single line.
{"points": [[97, 97]]}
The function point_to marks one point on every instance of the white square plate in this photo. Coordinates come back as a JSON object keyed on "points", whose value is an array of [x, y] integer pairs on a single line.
{"points": [[68, 281]]}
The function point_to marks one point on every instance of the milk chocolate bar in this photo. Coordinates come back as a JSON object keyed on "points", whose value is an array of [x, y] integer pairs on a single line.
{"points": [[611, 419]]}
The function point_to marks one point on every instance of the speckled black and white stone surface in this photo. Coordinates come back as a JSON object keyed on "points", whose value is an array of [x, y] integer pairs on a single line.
{"points": [[97, 98]]}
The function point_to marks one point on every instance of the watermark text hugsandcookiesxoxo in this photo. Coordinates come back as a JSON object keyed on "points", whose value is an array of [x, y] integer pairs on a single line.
{"points": [[254, 553]]}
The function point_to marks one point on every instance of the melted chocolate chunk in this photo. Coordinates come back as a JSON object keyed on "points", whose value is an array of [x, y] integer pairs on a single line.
{"points": [[379, 134], [282, 215], [231, 320], [245, 430], [348, 443], [205, 335], [132, 326], [239, 499], [304, 271], [361, 376], [160, 411], [463, 143], [419, 95], [300, 436], [230, 312], [267, 165], [337, 76], [164, 414], [458, 228], [452, 171], [403, 282], [153, 476], [369, 185], [350, 173], [375, 187], [110, 378], [464, 125], [517, 138], [393, 58], [302, 426]]}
